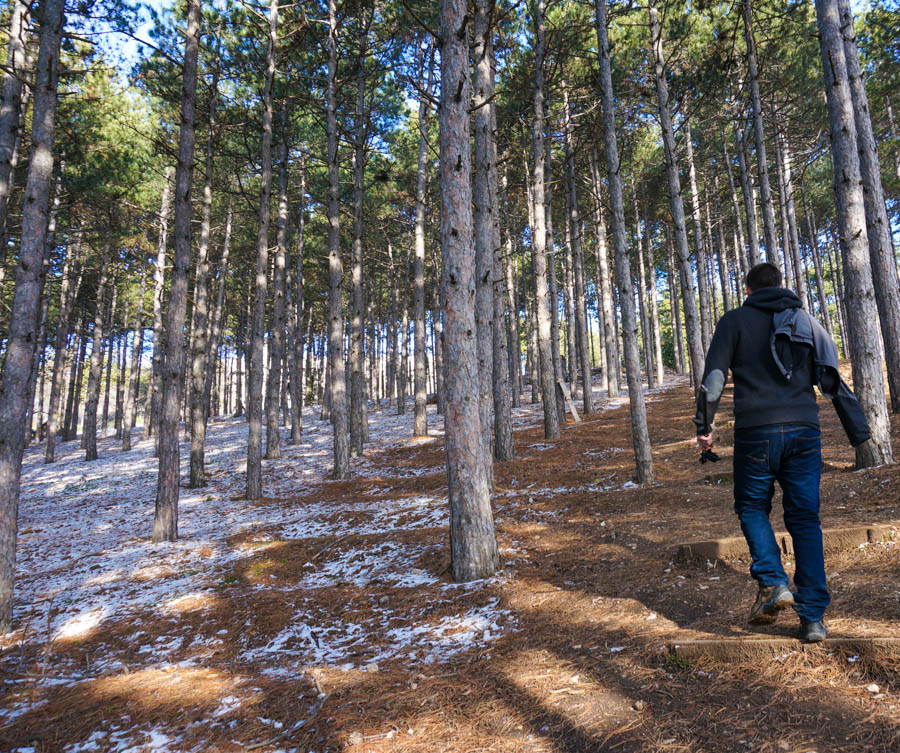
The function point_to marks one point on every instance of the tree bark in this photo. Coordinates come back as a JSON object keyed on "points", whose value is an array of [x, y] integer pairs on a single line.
{"points": [[298, 340], [653, 303], [552, 286], [133, 381], [894, 138], [878, 228], [165, 524], [706, 313], [420, 421], [274, 392], [24, 312], [11, 107], [642, 293], [110, 349], [824, 313], [215, 340], [473, 542], [67, 295], [765, 192], [484, 198], [865, 346], [578, 264], [258, 312], [749, 192], [639, 434], [159, 276], [513, 346], [539, 237], [738, 223], [606, 298], [677, 340], [358, 430], [335, 270], [695, 347], [92, 397], [200, 325], [403, 372]]}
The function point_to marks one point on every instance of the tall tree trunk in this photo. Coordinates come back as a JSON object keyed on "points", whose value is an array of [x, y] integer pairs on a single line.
{"points": [[111, 348], [121, 353], [865, 346], [706, 313], [473, 542], [274, 393], [40, 346], [133, 381], [393, 368], [568, 269], [485, 208], [358, 430], [510, 269], [738, 223], [824, 313], [258, 312], [765, 192], [67, 295], [152, 421], [23, 316], [603, 278], [894, 138], [578, 263], [639, 434], [677, 340], [695, 347], [837, 277], [299, 340], [878, 228], [11, 107], [552, 286], [76, 378], [92, 398], [165, 523], [240, 346], [539, 237], [403, 372], [653, 303], [420, 421], [642, 293], [335, 271], [200, 325], [215, 340], [749, 192]]}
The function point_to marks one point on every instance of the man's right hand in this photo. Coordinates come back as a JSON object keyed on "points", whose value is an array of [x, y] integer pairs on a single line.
{"points": [[705, 441]]}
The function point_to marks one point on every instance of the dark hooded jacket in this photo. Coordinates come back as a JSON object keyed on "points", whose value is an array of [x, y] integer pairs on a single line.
{"points": [[777, 353]]}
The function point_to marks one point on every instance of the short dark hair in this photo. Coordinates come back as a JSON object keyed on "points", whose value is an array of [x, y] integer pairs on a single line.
{"points": [[763, 275]]}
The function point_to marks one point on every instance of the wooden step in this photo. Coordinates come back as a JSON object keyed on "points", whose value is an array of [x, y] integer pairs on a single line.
{"points": [[834, 539], [750, 649]]}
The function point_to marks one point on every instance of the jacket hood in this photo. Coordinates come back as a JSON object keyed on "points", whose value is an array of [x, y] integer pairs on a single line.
{"points": [[773, 299]]}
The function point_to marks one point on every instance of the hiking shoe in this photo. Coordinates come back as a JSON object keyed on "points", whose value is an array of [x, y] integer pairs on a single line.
{"points": [[812, 632], [769, 602]]}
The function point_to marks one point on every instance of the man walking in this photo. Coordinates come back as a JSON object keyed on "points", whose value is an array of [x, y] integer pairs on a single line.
{"points": [[776, 353]]}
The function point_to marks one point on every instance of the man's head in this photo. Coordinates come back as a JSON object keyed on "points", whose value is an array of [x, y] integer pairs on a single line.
{"points": [[763, 275]]}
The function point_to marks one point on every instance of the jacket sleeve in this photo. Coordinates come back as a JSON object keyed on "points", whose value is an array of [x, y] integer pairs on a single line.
{"points": [[719, 357], [851, 415], [831, 385]]}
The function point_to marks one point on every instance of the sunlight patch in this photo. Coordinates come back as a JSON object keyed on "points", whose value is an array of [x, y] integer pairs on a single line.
{"points": [[82, 624]]}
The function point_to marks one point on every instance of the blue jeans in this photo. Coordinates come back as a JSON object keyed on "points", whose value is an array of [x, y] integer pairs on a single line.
{"points": [[792, 455]]}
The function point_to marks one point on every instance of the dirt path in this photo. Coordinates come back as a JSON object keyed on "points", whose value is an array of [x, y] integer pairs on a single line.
{"points": [[325, 619]]}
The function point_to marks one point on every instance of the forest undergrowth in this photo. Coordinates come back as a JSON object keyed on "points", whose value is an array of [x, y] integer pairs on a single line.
{"points": [[323, 617]]}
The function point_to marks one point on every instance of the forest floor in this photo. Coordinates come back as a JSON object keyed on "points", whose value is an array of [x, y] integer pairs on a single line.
{"points": [[323, 617]]}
